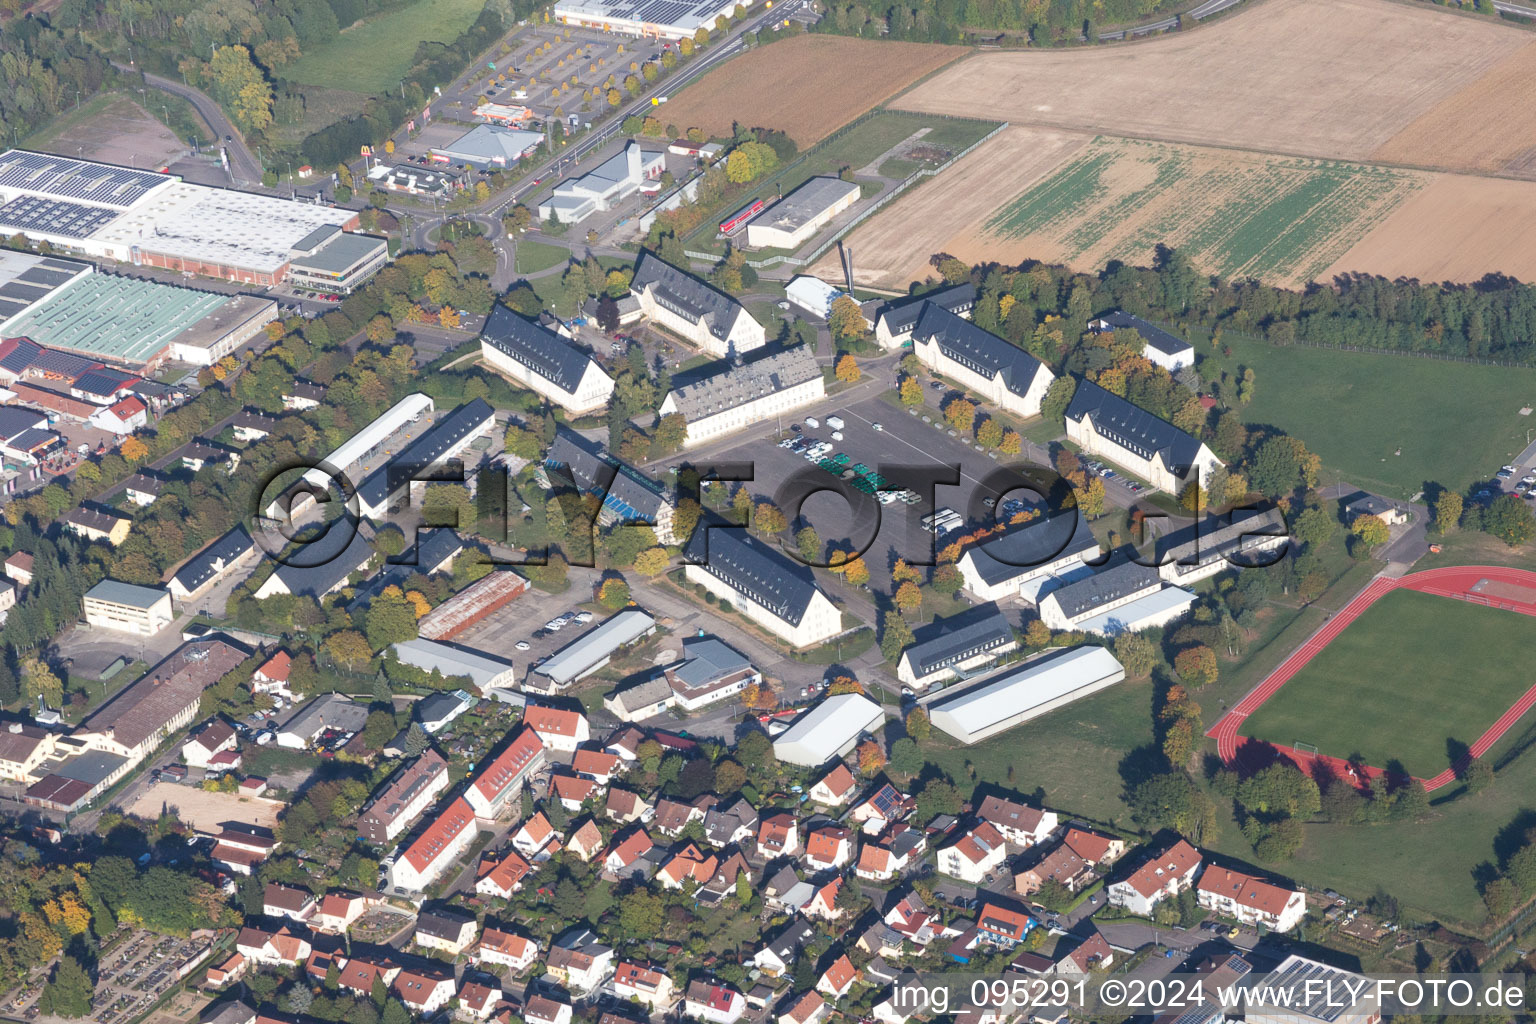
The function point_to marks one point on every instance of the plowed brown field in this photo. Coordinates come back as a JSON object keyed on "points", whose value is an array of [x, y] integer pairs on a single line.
{"points": [[806, 86]]}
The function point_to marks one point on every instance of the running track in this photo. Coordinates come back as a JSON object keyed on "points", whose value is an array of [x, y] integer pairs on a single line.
{"points": [[1455, 583]]}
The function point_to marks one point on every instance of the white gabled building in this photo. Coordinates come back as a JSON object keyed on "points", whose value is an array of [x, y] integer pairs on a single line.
{"points": [[714, 1003], [829, 730], [621, 175], [436, 849], [972, 856], [1164, 874], [1249, 899], [1161, 348], [1152, 449], [1125, 599], [1030, 558], [746, 394], [765, 586], [1000, 373], [544, 362], [893, 320], [694, 310], [1020, 693]]}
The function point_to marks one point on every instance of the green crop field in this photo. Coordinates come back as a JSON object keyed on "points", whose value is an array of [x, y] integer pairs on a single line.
{"points": [[370, 58], [1281, 219], [1414, 679], [1388, 423]]}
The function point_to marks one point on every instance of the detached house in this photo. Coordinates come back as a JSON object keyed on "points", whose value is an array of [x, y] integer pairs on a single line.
{"points": [[807, 1009], [974, 855], [713, 1002], [687, 865], [598, 765], [536, 839], [1092, 954], [287, 901], [779, 954], [880, 809], [1002, 926], [1096, 848], [626, 807], [505, 949], [838, 978], [1163, 875], [214, 737], [778, 835], [1061, 865], [586, 842], [450, 930], [1020, 824], [644, 983], [424, 992], [724, 826], [626, 855], [582, 967], [561, 730], [835, 788], [502, 876], [824, 903], [571, 790], [828, 847], [1251, 900], [540, 1010], [279, 948], [338, 910], [881, 860], [477, 1000]]}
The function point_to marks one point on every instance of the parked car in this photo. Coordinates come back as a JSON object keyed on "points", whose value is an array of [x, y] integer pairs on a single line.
{"points": [[522, 645]]}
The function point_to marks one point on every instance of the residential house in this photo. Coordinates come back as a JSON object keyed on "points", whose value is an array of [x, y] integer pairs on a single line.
{"points": [[733, 864], [338, 911], [534, 838], [1001, 925], [445, 928], [228, 972], [1062, 865], [809, 1008], [586, 841], [477, 999], [627, 807], [1164, 874], [501, 948], [424, 991], [884, 806], [911, 918], [438, 846], [975, 855], [778, 835], [239, 848], [824, 903], [689, 864], [838, 978], [1019, 823], [672, 816], [733, 825], [624, 857], [288, 901], [643, 983], [626, 744], [1249, 899], [499, 782], [598, 765], [886, 857], [280, 948], [503, 875], [212, 737], [828, 848], [143, 488], [571, 790], [272, 676], [97, 524], [543, 1010], [583, 967], [834, 788], [1096, 848], [358, 975], [407, 793], [785, 892], [779, 953], [713, 1002], [560, 729], [1092, 954]]}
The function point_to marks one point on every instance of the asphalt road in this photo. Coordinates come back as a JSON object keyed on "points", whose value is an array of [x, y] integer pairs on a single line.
{"points": [[242, 165]]}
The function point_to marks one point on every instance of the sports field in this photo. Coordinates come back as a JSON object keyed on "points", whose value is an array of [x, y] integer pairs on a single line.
{"points": [[370, 57], [1411, 678], [1281, 219], [806, 86]]}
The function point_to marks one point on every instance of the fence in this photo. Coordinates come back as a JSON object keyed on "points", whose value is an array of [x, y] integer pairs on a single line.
{"points": [[870, 211]]}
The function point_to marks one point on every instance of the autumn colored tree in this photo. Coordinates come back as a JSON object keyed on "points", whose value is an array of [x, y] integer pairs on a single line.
{"points": [[1012, 443], [848, 369], [651, 561], [990, 433], [1196, 665], [947, 580], [768, 518], [348, 648], [1193, 496], [908, 597], [910, 391], [918, 725], [844, 684], [1037, 633], [960, 413], [1090, 500], [846, 319], [808, 543], [1448, 508], [871, 757], [613, 594], [855, 571], [133, 450], [1371, 530]]}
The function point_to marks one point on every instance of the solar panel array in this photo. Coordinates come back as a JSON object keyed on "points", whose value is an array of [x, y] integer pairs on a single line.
{"points": [[40, 276], [76, 179], [652, 12], [55, 216]]}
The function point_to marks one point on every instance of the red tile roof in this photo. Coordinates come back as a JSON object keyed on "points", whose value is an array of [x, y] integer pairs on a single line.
{"points": [[557, 721], [509, 765], [439, 836], [1155, 874], [1246, 890]]}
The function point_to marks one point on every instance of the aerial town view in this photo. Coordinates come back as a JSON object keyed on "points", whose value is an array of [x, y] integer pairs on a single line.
{"points": [[767, 511]]}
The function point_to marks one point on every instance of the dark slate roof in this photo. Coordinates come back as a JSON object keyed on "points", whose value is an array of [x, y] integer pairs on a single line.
{"points": [[316, 568], [750, 567], [1104, 587], [1368, 505], [443, 923], [14, 420], [251, 419], [1224, 537], [951, 646], [630, 494], [1152, 334], [900, 315], [427, 450], [1133, 428], [686, 295], [1035, 543], [145, 482], [542, 351], [304, 389], [432, 548], [207, 563], [976, 349], [16, 354]]}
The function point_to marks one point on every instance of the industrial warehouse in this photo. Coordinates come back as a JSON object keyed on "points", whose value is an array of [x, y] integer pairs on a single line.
{"points": [[788, 223], [158, 220], [656, 19]]}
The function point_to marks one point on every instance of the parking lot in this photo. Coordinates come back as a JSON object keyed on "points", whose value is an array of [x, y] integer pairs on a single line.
{"points": [[509, 633]]}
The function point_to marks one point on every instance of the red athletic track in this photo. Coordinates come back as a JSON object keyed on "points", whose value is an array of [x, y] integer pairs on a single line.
{"points": [[1450, 582]]}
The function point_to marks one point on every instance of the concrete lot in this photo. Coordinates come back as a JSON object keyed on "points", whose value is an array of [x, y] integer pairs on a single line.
{"points": [[203, 810]]}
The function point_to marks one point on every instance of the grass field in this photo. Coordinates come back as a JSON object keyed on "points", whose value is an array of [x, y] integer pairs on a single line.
{"points": [[1350, 409], [370, 57], [533, 257], [1409, 679], [1281, 219]]}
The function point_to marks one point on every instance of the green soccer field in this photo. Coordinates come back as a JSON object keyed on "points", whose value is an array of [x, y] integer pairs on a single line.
{"points": [[1411, 678], [370, 58]]}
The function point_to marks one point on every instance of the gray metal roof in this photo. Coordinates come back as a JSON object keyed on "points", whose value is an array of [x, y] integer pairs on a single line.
{"points": [[341, 253], [1133, 428], [1152, 334], [641, 695], [750, 567], [708, 659], [128, 594], [954, 645], [630, 494], [451, 660], [542, 351], [489, 143], [737, 385], [577, 658], [1105, 587], [1031, 545], [327, 711], [976, 349], [805, 203], [686, 295], [1213, 538]]}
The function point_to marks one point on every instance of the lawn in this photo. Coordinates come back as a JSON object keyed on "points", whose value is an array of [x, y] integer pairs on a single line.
{"points": [[1388, 423], [533, 257], [1409, 680], [370, 58]]}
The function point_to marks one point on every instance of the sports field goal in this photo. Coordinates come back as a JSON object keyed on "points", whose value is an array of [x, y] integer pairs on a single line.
{"points": [[1304, 748]]}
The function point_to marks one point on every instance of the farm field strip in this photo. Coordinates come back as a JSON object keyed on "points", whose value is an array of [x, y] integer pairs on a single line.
{"points": [[1279, 218]]}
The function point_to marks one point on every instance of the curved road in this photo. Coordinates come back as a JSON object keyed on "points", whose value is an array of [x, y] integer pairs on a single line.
{"points": [[242, 165]]}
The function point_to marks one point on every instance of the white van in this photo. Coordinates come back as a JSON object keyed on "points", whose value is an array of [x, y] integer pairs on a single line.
{"points": [[835, 422], [812, 422]]}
